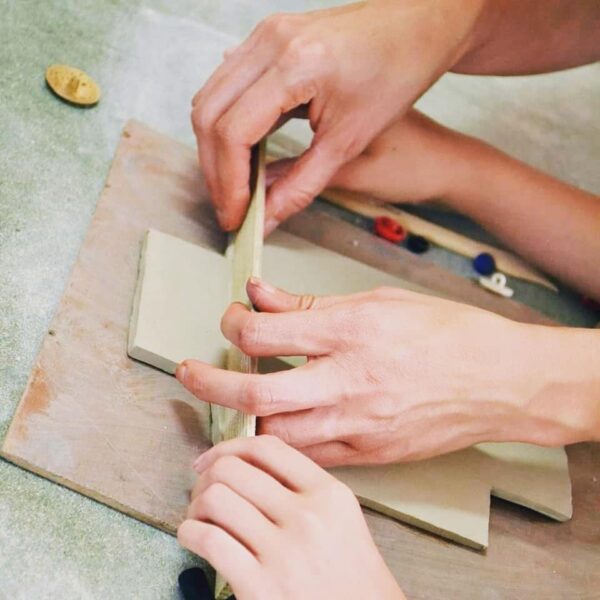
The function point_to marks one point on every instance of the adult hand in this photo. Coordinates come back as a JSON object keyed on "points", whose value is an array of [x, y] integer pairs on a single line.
{"points": [[396, 376], [352, 69], [275, 525]]}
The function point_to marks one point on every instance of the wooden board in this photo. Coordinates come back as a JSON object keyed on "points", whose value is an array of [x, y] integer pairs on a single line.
{"points": [[449, 495], [86, 401], [91, 417]]}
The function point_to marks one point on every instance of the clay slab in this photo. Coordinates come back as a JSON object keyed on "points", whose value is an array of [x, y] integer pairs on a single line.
{"points": [[180, 297], [447, 495]]}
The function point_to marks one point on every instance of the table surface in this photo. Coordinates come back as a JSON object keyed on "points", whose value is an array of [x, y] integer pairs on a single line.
{"points": [[149, 57]]}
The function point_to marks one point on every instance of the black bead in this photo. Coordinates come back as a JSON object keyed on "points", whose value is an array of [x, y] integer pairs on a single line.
{"points": [[417, 244], [194, 585]]}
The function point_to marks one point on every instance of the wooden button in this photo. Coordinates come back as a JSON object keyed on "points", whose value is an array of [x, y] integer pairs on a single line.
{"points": [[72, 85]]}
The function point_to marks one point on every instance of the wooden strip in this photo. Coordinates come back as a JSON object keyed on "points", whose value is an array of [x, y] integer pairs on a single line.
{"points": [[245, 255]]}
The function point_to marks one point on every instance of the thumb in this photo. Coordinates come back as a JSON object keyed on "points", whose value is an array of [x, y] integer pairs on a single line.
{"points": [[278, 169], [301, 181], [359, 175]]}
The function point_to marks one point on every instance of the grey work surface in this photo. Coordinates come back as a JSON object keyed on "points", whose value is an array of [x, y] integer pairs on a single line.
{"points": [[149, 57]]}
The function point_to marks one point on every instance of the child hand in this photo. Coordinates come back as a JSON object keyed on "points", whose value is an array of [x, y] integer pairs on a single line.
{"points": [[415, 159], [276, 525]]}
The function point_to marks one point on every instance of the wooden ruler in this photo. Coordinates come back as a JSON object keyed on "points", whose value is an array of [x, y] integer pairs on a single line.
{"points": [[245, 255]]}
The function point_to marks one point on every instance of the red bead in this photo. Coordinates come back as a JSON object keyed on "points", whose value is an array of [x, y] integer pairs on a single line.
{"points": [[389, 229]]}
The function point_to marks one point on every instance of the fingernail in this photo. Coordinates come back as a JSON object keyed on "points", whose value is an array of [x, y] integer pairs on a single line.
{"points": [[263, 285], [224, 220], [271, 177], [200, 462], [221, 216], [270, 225], [180, 373]]}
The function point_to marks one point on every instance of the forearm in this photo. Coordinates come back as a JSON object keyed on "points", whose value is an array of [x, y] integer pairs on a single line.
{"points": [[559, 388], [554, 225], [516, 37]]}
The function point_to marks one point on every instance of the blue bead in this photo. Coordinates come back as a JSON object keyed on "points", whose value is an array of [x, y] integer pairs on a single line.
{"points": [[484, 264]]}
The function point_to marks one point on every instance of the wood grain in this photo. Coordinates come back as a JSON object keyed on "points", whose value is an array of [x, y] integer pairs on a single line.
{"points": [[125, 434]]}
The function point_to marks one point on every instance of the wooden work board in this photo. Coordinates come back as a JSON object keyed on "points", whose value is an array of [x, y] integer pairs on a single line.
{"points": [[126, 434]]}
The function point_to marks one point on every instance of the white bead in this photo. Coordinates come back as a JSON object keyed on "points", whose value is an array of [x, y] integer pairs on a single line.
{"points": [[497, 284]]}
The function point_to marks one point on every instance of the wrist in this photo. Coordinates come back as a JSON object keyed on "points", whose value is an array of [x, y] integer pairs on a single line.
{"points": [[476, 169], [463, 165], [559, 389], [485, 14], [478, 17]]}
